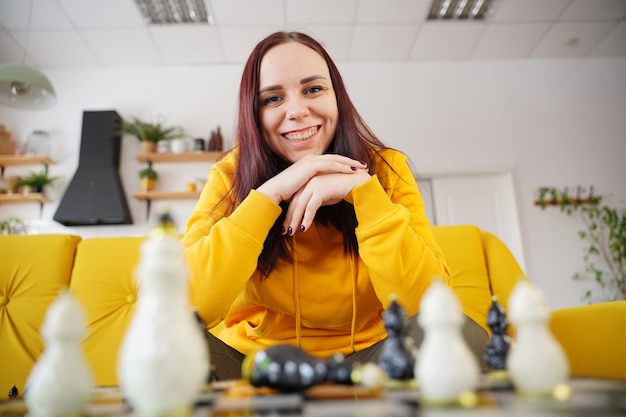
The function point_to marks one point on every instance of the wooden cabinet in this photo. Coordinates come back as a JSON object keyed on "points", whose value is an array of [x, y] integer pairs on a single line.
{"points": [[20, 160], [154, 158]]}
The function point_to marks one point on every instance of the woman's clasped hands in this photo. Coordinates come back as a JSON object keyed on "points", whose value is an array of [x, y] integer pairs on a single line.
{"points": [[312, 182]]}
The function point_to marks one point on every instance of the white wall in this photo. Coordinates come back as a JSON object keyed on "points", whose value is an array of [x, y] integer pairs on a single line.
{"points": [[554, 122]]}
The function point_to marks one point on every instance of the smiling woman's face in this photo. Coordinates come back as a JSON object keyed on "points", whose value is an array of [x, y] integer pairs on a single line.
{"points": [[297, 104]]}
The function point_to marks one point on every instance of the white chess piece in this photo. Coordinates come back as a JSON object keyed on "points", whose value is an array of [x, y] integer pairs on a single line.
{"points": [[163, 362], [61, 382], [536, 362], [445, 369]]}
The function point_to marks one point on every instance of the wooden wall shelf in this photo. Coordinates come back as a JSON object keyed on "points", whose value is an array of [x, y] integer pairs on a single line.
{"points": [[24, 198], [21, 160], [155, 157], [15, 160], [166, 195], [178, 157]]}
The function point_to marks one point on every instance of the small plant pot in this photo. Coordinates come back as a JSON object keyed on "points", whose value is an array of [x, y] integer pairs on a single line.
{"points": [[147, 184], [147, 146]]}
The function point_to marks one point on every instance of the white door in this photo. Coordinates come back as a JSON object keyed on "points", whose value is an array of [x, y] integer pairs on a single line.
{"points": [[485, 200]]}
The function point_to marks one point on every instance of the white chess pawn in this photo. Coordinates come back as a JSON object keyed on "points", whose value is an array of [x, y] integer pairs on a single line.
{"points": [[536, 362], [61, 382], [163, 362], [446, 369]]}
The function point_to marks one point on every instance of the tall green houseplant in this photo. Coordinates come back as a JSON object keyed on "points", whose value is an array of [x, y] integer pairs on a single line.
{"points": [[604, 233]]}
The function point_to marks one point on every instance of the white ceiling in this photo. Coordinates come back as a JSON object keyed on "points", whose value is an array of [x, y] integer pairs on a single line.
{"points": [[106, 33]]}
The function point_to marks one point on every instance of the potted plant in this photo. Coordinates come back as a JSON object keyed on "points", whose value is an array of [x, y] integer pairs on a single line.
{"points": [[149, 134], [36, 182], [604, 233], [12, 226], [148, 177]]}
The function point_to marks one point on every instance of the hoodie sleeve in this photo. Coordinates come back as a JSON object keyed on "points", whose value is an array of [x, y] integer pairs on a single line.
{"points": [[394, 235], [222, 249]]}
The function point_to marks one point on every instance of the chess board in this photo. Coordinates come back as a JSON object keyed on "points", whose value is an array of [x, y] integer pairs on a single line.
{"points": [[593, 397]]}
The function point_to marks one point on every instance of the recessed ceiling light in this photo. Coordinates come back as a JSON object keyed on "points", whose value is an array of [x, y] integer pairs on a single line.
{"points": [[460, 9], [162, 12]]}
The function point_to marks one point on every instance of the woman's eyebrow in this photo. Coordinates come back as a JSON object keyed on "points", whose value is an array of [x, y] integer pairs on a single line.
{"points": [[302, 81], [270, 88]]}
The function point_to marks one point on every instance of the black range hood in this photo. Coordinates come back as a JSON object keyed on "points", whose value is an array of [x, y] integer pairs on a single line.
{"points": [[95, 196]]}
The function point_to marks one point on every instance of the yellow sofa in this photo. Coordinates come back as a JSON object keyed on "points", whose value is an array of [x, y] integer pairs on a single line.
{"points": [[99, 272]]}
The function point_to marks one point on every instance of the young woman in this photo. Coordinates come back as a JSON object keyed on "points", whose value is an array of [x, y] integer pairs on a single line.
{"points": [[310, 224]]}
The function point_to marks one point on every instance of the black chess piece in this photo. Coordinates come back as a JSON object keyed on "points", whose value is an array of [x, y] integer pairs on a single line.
{"points": [[396, 358], [499, 343], [14, 392], [285, 368]]}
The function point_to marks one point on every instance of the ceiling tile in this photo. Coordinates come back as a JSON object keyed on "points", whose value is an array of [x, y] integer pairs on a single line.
{"points": [[509, 40], [98, 14], [45, 51], [528, 10], [320, 12], [187, 44], [48, 15], [10, 51], [248, 12], [571, 39], [444, 41], [614, 44], [392, 11], [595, 10], [14, 14], [382, 42], [122, 47], [238, 42], [335, 39]]}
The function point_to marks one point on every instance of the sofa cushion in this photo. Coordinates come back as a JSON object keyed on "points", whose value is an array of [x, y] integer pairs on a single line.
{"points": [[103, 281], [33, 271], [463, 249], [504, 271]]}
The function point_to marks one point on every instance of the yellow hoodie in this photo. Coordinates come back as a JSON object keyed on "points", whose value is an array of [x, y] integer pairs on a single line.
{"points": [[324, 302]]}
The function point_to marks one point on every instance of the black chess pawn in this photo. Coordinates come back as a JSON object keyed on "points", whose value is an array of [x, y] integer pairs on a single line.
{"points": [[498, 347], [14, 392], [396, 358]]}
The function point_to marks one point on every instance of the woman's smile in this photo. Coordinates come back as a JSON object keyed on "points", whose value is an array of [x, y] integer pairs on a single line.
{"points": [[301, 135]]}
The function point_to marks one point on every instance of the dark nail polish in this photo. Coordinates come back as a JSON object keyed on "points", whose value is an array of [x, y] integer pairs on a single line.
{"points": [[282, 231], [363, 163], [353, 168], [289, 231], [302, 228]]}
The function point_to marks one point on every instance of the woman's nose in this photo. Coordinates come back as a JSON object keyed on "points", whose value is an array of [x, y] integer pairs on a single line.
{"points": [[297, 109]]}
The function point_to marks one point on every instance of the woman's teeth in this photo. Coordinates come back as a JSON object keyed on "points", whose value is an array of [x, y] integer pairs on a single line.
{"points": [[301, 135]]}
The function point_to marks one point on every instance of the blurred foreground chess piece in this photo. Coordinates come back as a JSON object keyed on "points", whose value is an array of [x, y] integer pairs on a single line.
{"points": [[446, 370], [396, 358], [498, 347], [537, 363], [61, 383], [163, 362]]}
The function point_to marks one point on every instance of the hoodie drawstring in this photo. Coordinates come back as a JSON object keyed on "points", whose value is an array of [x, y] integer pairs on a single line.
{"points": [[353, 324], [296, 296]]}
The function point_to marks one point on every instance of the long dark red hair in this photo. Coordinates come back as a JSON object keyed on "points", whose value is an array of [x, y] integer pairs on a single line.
{"points": [[257, 163]]}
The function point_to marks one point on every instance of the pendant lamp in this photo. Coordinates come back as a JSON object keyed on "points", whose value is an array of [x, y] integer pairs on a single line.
{"points": [[23, 86]]}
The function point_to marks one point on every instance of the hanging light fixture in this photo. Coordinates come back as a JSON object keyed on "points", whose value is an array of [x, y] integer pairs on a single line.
{"points": [[23, 86]]}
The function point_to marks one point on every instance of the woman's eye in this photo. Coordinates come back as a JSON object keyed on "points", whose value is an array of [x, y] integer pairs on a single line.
{"points": [[315, 89], [271, 100]]}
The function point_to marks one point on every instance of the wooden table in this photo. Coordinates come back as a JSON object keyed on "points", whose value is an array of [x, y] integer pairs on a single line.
{"points": [[590, 397]]}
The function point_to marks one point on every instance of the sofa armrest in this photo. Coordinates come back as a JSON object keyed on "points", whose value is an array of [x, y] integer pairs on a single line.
{"points": [[594, 338]]}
